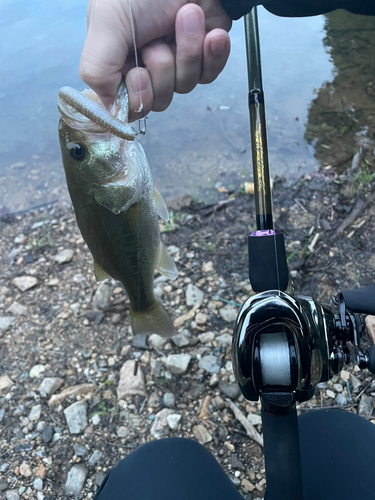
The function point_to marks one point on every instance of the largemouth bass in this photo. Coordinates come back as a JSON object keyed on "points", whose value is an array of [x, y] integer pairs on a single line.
{"points": [[115, 203]]}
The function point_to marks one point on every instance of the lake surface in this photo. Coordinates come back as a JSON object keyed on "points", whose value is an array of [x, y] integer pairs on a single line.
{"points": [[318, 78]]}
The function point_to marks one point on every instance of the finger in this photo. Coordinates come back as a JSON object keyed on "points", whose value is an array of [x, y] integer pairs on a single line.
{"points": [[216, 49], [190, 34], [104, 53], [138, 83], [159, 61]]}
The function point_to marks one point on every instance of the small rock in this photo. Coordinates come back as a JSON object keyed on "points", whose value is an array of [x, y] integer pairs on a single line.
{"points": [[12, 495], [365, 405], [157, 341], [214, 380], [169, 400], [102, 296], [201, 318], [344, 375], [207, 266], [225, 339], [193, 295], [247, 484], [201, 434], [125, 350], [94, 317], [173, 420], [4, 467], [24, 283], [153, 400], [5, 382], [95, 419], [38, 484], [76, 479], [122, 432], [355, 381], [49, 385], [115, 318], [155, 367], [35, 413], [206, 337], [75, 308], [2, 414], [80, 450], [140, 341], [209, 363], [180, 340], [37, 371], [160, 428], [178, 363], [99, 477], [64, 256], [341, 399], [41, 471], [172, 250], [229, 390], [130, 384], [228, 313], [330, 394], [218, 403], [76, 417], [95, 457], [47, 434], [17, 309], [6, 322], [25, 470], [338, 387], [370, 326], [74, 390], [254, 418]]}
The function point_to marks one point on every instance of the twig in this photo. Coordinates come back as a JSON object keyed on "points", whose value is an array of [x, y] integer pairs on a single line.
{"points": [[300, 205], [249, 428]]}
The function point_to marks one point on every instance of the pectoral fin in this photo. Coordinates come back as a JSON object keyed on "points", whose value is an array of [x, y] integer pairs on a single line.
{"points": [[161, 207], [165, 264], [100, 274], [116, 196]]}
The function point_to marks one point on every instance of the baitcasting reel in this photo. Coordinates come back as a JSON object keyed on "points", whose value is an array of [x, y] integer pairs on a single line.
{"points": [[284, 345]]}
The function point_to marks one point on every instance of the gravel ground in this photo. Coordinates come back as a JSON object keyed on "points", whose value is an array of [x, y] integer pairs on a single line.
{"points": [[70, 405]]}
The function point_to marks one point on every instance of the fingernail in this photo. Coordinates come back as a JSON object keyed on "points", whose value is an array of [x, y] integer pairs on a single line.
{"points": [[218, 45], [191, 21], [140, 83]]}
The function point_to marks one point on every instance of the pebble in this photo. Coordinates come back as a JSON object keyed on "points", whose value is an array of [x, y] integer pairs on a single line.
{"points": [[169, 400], [365, 405], [254, 419], [125, 350], [206, 337], [370, 326], [178, 363], [17, 309], [338, 387], [228, 313], [76, 479], [102, 297], [47, 434], [201, 318], [37, 371], [24, 283], [209, 363], [38, 484], [12, 495], [155, 367], [201, 434], [122, 432], [115, 318], [140, 341], [25, 470], [173, 420], [218, 403], [160, 428], [35, 413], [355, 381], [64, 256], [341, 399], [49, 385], [224, 339], [207, 266], [95, 419], [193, 295], [157, 341], [76, 417], [130, 384], [330, 394], [41, 471], [6, 322], [74, 390], [214, 380], [95, 457], [80, 450], [5, 382], [2, 414], [99, 477], [229, 390], [181, 339], [4, 467], [344, 375]]}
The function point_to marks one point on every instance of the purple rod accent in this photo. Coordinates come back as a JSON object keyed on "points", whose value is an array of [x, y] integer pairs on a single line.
{"points": [[265, 232]]}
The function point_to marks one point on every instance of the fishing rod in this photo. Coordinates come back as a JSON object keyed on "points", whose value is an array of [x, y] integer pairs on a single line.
{"points": [[283, 345]]}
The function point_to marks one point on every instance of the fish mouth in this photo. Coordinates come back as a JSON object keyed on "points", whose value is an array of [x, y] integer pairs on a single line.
{"points": [[84, 111]]}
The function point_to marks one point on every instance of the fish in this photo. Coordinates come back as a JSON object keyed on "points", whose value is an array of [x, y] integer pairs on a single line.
{"points": [[116, 205]]}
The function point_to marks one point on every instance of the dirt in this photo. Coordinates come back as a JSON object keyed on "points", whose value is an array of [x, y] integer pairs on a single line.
{"points": [[60, 330]]}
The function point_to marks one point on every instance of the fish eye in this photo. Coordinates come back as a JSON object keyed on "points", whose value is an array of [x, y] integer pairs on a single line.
{"points": [[77, 151]]}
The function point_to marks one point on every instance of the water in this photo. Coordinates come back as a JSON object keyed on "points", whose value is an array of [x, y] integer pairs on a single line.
{"points": [[203, 138]]}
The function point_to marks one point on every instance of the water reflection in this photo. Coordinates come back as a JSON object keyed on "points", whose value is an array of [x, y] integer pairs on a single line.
{"points": [[202, 139]]}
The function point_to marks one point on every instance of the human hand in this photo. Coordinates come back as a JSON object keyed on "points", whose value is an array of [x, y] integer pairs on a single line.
{"points": [[180, 44]]}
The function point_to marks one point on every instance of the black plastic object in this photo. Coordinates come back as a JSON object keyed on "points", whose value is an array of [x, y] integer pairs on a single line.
{"points": [[361, 300], [371, 359], [268, 267], [281, 452]]}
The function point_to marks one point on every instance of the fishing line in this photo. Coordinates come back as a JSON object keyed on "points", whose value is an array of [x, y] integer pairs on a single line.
{"points": [[140, 109]]}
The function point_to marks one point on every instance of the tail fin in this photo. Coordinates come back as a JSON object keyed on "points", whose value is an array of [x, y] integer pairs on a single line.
{"points": [[154, 320]]}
